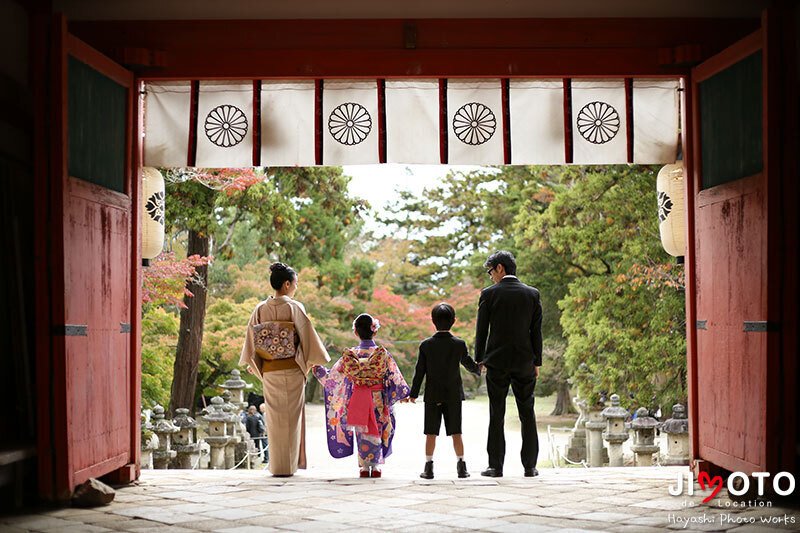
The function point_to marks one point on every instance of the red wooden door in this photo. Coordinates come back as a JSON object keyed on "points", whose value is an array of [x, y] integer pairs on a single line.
{"points": [[89, 427], [734, 259]]}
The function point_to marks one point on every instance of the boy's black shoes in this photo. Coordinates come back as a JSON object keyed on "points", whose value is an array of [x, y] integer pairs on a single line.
{"points": [[461, 468], [492, 472], [428, 472], [531, 472]]}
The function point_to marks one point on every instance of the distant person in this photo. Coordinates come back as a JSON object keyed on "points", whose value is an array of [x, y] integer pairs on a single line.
{"points": [[508, 343], [254, 424], [360, 391], [280, 347], [438, 364]]}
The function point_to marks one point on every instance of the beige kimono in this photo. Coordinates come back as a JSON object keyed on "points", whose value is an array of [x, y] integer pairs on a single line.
{"points": [[284, 382]]}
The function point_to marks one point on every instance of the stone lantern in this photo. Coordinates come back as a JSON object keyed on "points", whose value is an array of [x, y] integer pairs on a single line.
{"points": [[576, 445], [234, 409], [233, 423], [616, 433], [594, 438], [644, 436], [164, 428], [218, 437], [149, 443], [677, 431], [185, 441], [236, 385]]}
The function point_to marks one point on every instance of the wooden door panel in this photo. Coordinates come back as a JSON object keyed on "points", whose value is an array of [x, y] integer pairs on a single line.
{"points": [[97, 250], [731, 272], [731, 362], [755, 425], [707, 400]]}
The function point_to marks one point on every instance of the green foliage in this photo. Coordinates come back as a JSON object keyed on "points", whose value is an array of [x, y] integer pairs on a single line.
{"points": [[622, 311], [189, 205], [471, 215], [400, 267], [341, 277], [554, 372], [223, 336], [586, 237], [456, 219], [159, 337], [302, 216]]}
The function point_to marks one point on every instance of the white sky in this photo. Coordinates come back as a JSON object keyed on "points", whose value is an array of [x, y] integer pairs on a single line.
{"points": [[378, 183]]}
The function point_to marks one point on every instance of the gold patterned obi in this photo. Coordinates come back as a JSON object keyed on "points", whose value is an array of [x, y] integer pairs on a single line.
{"points": [[366, 371]]}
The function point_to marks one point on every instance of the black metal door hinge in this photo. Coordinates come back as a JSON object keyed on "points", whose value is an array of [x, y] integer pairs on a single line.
{"points": [[71, 330]]}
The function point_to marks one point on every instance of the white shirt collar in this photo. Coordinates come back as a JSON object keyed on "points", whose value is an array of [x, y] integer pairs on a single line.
{"points": [[509, 276]]}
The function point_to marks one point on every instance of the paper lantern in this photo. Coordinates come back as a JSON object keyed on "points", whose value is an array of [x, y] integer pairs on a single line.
{"points": [[672, 209], [152, 212]]}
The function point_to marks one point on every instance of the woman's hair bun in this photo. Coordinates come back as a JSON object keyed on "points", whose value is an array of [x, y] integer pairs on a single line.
{"points": [[280, 273]]}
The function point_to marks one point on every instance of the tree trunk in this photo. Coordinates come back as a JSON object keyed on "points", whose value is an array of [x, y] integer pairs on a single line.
{"points": [[190, 335], [563, 401]]}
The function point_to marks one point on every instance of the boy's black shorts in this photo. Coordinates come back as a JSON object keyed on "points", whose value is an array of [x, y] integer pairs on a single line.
{"points": [[450, 411]]}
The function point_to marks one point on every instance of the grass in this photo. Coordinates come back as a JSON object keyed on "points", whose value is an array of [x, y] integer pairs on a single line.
{"points": [[543, 406]]}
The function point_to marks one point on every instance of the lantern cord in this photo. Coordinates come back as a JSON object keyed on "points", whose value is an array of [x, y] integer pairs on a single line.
{"points": [[556, 455], [202, 453]]}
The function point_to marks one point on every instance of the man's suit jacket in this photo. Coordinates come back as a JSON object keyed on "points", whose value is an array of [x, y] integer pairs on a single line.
{"points": [[509, 328], [439, 360]]}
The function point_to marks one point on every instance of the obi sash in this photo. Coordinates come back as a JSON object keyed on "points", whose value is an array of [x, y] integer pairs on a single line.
{"points": [[361, 408]]}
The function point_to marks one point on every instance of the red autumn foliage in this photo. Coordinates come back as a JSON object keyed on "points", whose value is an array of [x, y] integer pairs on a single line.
{"points": [[229, 180], [164, 281]]}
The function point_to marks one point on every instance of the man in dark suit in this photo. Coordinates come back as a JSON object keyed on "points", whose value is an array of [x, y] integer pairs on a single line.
{"points": [[508, 343], [438, 363]]}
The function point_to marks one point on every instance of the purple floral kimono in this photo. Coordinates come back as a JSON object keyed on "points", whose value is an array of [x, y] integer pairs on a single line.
{"points": [[364, 383]]}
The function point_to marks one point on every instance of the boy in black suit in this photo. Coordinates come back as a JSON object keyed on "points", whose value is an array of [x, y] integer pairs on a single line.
{"points": [[439, 359]]}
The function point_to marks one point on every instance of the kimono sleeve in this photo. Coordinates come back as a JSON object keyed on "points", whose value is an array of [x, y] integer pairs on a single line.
{"points": [[248, 356], [314, 352], [337, 390], [394, 383]]}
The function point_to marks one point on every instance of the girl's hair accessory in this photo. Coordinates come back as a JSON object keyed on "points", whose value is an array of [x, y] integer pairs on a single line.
{"points": [[374, 326]]}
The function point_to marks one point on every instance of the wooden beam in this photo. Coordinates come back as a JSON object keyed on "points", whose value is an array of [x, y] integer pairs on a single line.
{"points": [[791, 222], [442, 48], [40, 27], [432, 63], [691, 176], [430, 33], [51, 144], [137, 161]]}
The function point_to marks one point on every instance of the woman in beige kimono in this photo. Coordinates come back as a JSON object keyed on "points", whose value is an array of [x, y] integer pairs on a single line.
{"points": [[284, 379]]}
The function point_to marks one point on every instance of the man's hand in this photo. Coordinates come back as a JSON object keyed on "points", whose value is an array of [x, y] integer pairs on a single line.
{"points": [[536, 371], [481, 368]]}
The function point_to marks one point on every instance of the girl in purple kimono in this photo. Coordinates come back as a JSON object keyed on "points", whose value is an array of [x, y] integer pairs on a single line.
{"points": [[360, 391]]}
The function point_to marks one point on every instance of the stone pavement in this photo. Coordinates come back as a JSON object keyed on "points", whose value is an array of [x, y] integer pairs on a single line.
{"points": [[329, 497], [571, 499]]}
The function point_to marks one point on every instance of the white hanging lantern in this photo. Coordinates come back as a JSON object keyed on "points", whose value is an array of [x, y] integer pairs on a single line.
{"points": [[152, 212], [672, 209]]}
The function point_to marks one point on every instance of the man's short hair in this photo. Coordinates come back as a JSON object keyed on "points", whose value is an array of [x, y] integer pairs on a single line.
{"points": [[443, 316], [502, 258]]}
